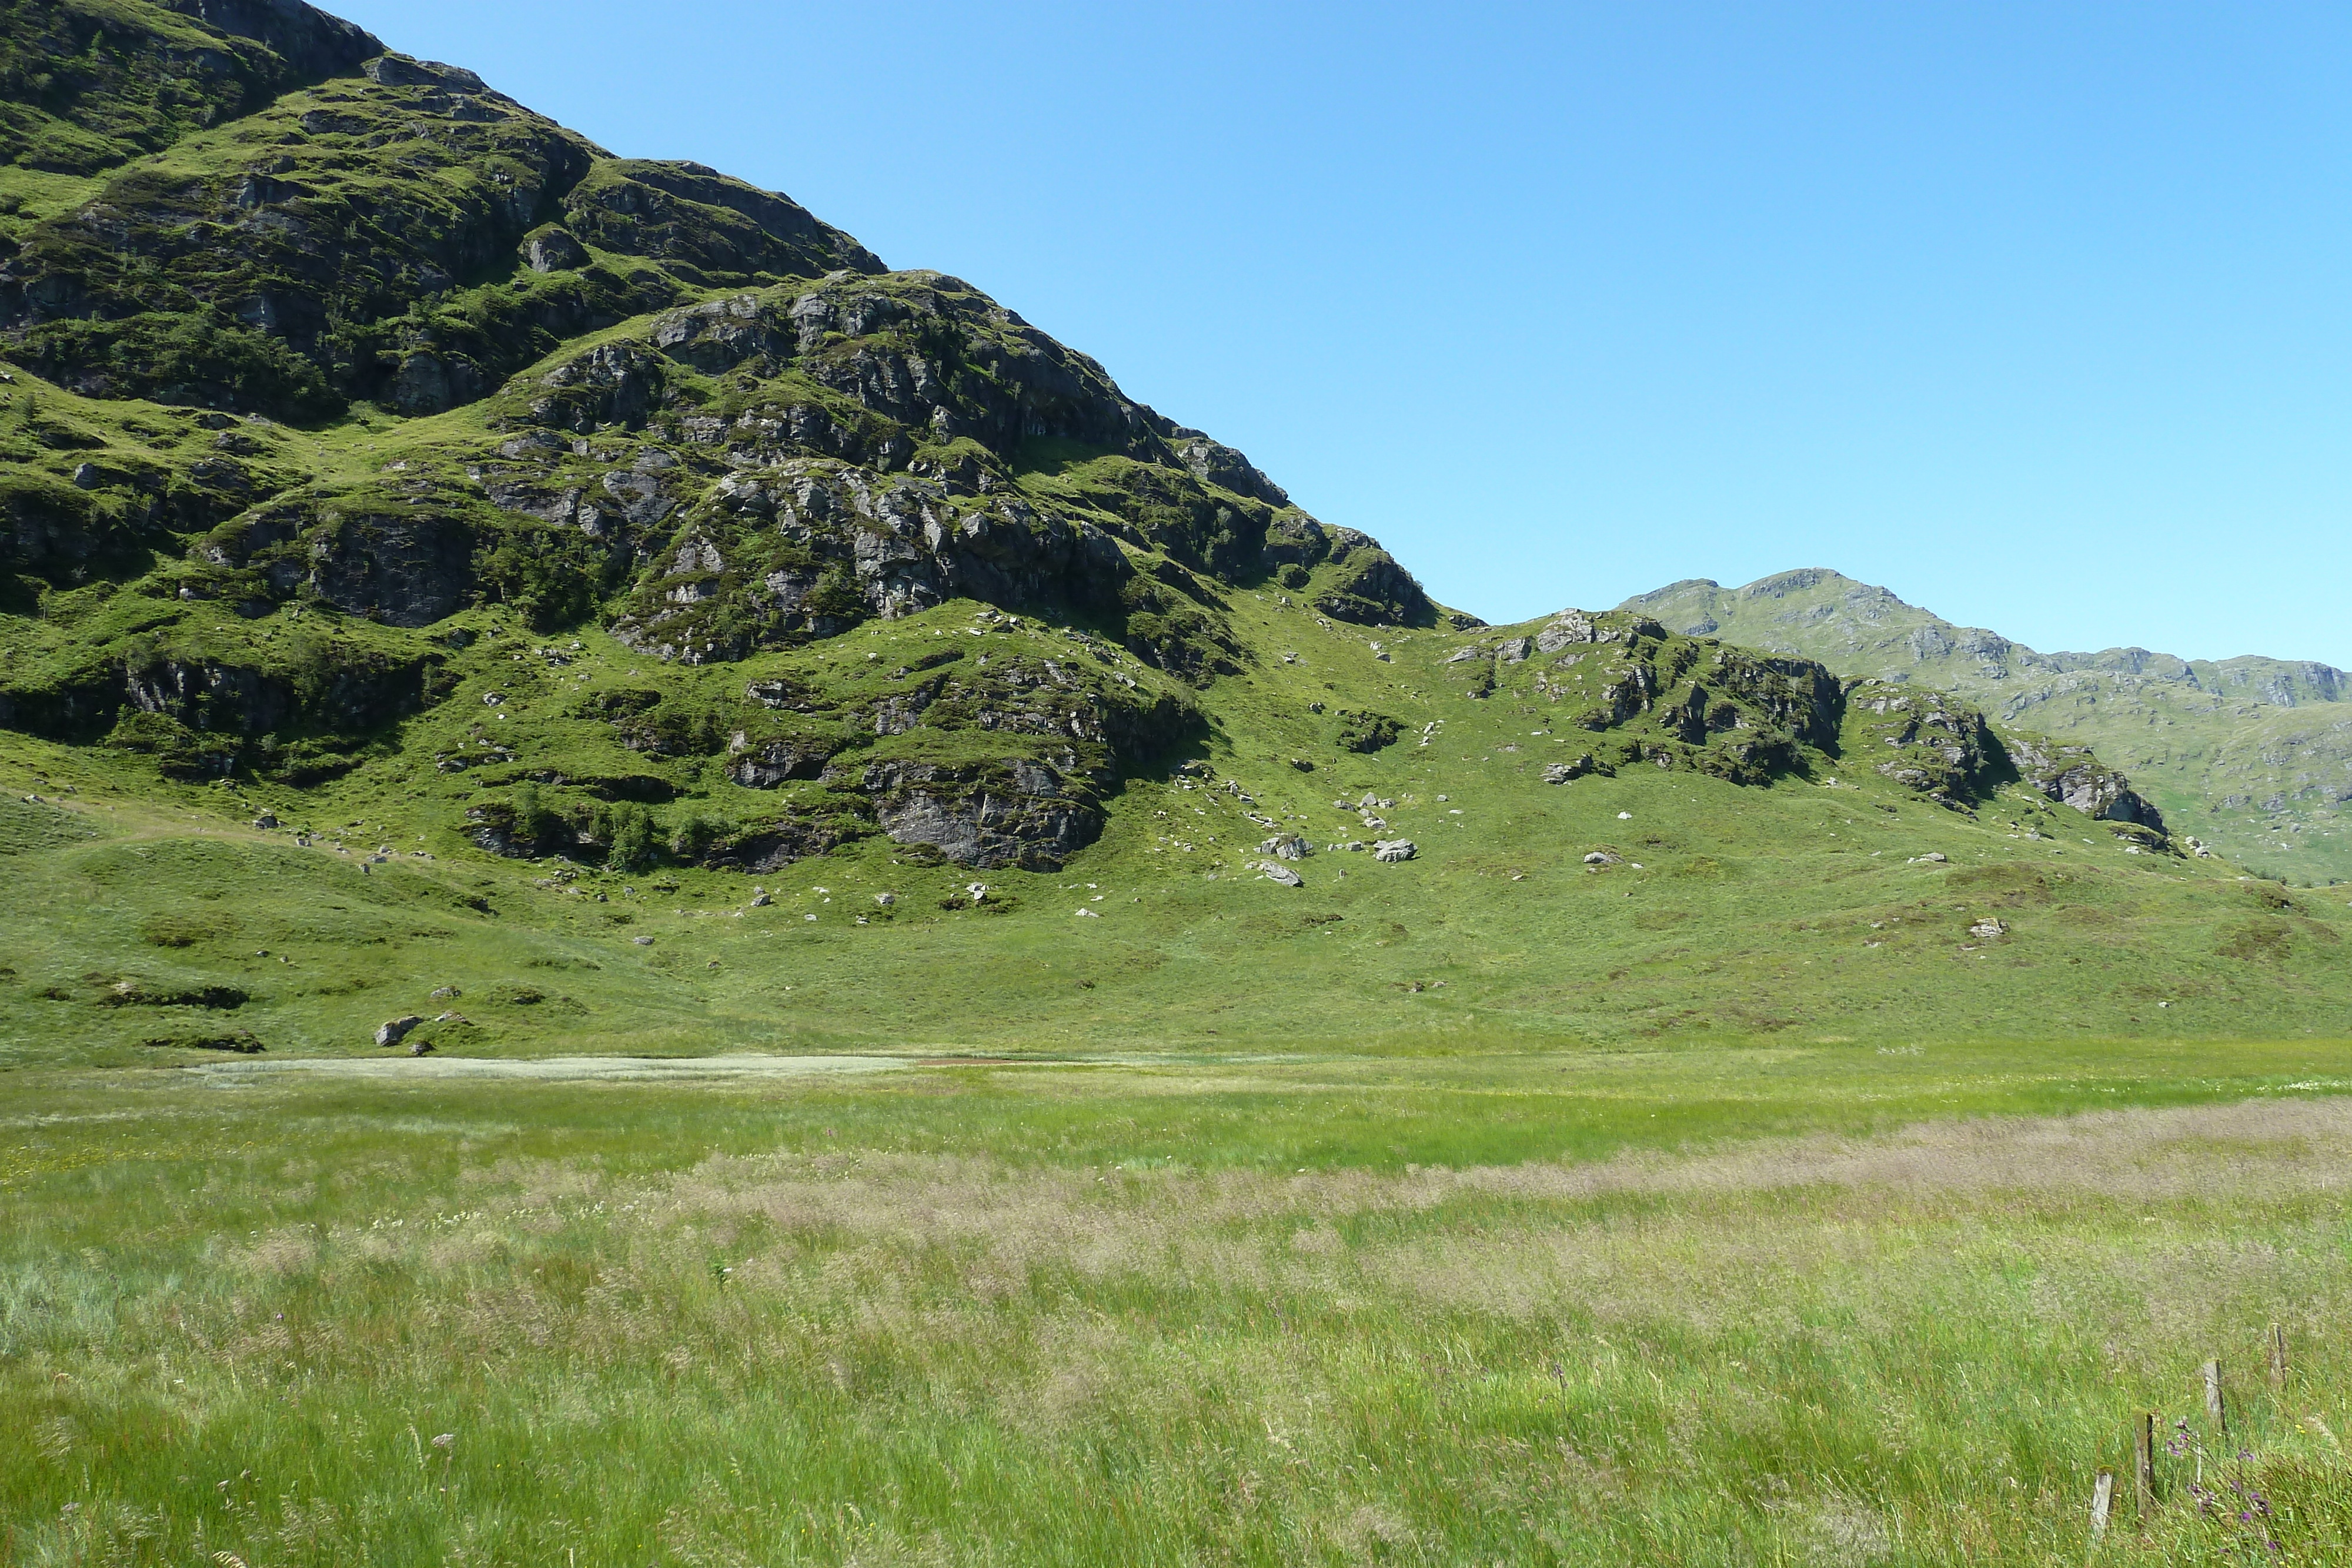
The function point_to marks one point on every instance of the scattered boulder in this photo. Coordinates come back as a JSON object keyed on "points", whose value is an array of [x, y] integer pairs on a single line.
{"points": [[1988, 929], [885, 899], [420, 1047], [1932, 857], [446, 993], [1286, 846], [1562, 772], [1394, 849], [397, 1029], [1275, 872], [643, 941], [1602, 857]]}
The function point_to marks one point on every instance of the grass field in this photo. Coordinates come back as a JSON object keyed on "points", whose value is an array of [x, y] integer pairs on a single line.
{"points": [[1704, 1304]]}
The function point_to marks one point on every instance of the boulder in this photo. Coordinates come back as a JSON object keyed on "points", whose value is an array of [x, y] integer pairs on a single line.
{"points": [[1286, 846], [1394, 849], [397, 1029], [1275, 872]]}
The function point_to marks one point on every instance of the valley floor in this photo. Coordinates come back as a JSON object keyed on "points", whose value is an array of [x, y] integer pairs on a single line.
{"points": [[1699, 1304]]}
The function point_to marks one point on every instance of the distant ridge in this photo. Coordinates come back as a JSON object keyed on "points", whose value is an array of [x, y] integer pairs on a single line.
{"points": [[2253, 754]]}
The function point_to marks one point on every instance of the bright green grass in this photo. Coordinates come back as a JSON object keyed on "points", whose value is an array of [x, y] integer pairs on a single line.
{"points": [[1785, 913], [1518, 1307]]}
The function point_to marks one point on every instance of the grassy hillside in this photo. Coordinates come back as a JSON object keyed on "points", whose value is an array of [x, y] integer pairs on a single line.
{"points": [[675, 899], [2251, 755], [633, 586], [1802, 904]]}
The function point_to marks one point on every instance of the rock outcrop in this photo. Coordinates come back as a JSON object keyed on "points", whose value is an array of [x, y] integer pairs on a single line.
{"points": [[2070, 774]]}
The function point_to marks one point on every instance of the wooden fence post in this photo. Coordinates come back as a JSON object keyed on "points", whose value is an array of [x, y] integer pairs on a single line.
{"points": [[2143, 1465], [2215, 1410], [2103, 1502], [2278, 1357]]}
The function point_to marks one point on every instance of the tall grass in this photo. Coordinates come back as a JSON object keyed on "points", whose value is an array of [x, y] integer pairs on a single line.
{"points": [[390, 1327]]}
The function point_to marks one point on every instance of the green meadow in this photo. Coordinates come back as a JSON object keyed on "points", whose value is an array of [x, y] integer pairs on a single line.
{"points": [[1474, 1303]]}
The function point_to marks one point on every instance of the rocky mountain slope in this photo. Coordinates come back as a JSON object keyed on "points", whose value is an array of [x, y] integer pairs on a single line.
{"points": [[425, 535], [2251, 755]]}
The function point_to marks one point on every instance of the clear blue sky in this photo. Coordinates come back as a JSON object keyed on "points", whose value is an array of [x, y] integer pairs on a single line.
{"points": [[2039, 314]]}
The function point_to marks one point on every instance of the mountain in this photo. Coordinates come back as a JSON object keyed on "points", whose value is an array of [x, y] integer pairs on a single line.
{"points": [[2251, 755], [438, 555]]}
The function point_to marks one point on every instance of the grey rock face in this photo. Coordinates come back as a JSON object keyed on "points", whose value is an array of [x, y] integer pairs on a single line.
{"points": [[2072, 775], [311, 43], [403, 570], [554, 250], [1286, 846], [707, 225], [772, 846], [1394, 849], [1568, 628], [989, 832], [875, 545], [1023, 815], [613, 383], [397, 1029], [776, 762], [1216, 464]]}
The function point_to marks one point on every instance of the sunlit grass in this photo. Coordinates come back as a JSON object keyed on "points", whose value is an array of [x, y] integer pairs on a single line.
{"points": [[872, 1322]]}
